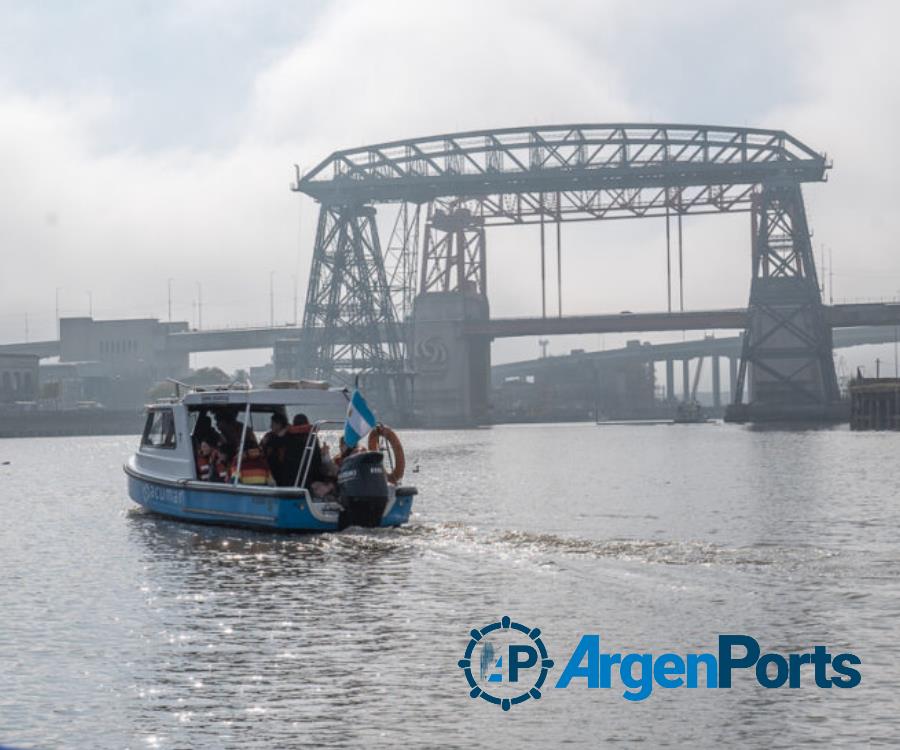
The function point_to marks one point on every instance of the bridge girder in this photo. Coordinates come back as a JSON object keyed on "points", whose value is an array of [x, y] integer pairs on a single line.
{"points": [[573, 172]]}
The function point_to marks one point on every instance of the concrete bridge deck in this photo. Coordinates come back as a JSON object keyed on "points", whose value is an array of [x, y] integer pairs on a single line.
{"points": [[839, 316], [727, 346]]}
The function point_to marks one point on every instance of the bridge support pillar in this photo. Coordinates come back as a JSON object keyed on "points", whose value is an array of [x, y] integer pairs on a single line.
{"points": [[732, 378], [452, 370], [786, 358], [716, 382], [670, 380], [686, 380]]}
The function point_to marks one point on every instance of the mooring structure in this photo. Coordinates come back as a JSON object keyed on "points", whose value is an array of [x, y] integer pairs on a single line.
{"points": [[451, 188]]}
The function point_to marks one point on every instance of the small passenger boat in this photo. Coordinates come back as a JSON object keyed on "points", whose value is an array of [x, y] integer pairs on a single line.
{"points": [[168, 473]]}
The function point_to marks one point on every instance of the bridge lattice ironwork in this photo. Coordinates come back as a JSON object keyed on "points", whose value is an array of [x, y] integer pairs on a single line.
{"points": [[531, 175]]}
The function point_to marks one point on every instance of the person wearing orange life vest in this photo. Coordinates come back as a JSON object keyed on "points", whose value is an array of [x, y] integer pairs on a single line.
{"points": [[205, 462], [253, 468], [205, 439], [211, 467]]}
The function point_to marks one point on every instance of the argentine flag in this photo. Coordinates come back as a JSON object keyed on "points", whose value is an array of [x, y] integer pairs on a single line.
{"points": [[360, 420]]}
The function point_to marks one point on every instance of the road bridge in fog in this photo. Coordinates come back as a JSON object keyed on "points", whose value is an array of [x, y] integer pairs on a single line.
{"points": [[871, 321], [684, 352]]}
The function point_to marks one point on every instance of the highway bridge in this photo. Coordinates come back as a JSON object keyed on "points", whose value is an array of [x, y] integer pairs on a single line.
{"points": [[859, 315]]}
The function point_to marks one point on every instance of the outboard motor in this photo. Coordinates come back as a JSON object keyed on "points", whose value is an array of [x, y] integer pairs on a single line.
{"points": [[362, 490]]}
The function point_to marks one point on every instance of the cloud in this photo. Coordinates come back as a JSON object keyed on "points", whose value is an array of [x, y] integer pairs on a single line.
{"points": [[121, 223], [371, 72], [851, 110], [119, 220]]}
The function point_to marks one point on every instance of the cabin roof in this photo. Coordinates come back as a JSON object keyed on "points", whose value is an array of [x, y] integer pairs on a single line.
{"points": [[330, 398]]}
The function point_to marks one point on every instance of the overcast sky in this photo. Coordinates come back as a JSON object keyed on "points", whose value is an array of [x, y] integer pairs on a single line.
{"points": [[152, 140]]}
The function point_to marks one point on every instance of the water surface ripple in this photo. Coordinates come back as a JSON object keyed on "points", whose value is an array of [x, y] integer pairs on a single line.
{"points": [[122, 629]]}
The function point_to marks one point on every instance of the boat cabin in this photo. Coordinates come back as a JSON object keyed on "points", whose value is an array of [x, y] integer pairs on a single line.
{"points": [[214, 434]]}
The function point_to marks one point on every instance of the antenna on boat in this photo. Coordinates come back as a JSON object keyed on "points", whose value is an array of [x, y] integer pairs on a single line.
{"points": [[178, 386]]}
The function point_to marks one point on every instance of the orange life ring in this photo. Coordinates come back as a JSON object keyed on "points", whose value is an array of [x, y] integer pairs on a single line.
{"points": [[393, 441]]}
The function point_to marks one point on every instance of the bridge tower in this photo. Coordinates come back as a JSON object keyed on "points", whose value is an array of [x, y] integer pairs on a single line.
{"points": [[786, 360], [349, 323], [452, 370]]}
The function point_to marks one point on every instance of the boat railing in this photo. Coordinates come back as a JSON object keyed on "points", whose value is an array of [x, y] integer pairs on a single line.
{"points": [[310, 448]]}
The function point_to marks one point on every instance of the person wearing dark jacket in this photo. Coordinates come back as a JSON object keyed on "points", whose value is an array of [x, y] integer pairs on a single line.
{"points": [[284, 447], [274, 446], [232, 429], [204, 432], [298, 435]]}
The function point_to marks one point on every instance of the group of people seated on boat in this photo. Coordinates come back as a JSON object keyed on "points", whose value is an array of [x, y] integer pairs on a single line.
{"points": [[276, 460]]}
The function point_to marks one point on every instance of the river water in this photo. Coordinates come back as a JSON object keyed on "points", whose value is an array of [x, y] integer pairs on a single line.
{"points": [[121, 629]]}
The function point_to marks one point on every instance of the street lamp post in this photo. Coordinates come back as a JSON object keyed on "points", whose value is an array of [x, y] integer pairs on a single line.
{"points": [[272, 299], [57, 311]]}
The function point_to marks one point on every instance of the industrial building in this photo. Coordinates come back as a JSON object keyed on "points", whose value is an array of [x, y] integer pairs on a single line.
{"points": [[112, 363], [18, 378]]}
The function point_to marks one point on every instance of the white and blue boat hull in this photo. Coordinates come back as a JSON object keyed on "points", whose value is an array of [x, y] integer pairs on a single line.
{"points": [[272, 508]]}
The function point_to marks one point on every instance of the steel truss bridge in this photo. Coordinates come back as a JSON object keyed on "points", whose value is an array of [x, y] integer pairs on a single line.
{"points": [[450, 188]]}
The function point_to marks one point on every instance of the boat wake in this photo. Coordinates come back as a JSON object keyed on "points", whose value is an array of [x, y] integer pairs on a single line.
{"points": [[461, 540], [456, 538]]}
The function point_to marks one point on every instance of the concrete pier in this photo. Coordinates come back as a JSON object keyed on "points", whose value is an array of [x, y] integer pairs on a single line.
{"points": [[452, 370], [732, 377], [716, 382]]}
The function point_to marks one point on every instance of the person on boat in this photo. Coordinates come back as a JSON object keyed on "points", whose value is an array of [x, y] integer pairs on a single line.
{"points": [[205, 438], [252, 468], [231, 429], [318, 479], [344, 450], [210, 466], [204, 430], [278, 425], [276, 446], [329, 467]]}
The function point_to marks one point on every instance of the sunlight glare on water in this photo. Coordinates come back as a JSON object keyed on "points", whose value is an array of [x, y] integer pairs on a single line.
{"points": [[123, 629]]}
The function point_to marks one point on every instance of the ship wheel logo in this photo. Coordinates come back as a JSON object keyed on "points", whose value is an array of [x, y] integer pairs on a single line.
{"points": [[432, 354], [505, 663]]}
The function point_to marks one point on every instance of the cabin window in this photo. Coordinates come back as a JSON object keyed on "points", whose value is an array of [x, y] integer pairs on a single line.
{"points": [[159, 431]]}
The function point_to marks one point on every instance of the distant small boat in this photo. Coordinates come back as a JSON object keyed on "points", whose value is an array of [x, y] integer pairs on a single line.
{"points": [[164, 475]]}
